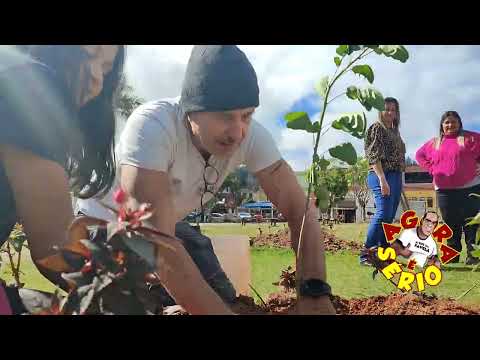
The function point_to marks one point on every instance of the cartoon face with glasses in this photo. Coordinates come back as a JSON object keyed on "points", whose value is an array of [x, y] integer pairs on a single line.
{"points": [[428, 223]]}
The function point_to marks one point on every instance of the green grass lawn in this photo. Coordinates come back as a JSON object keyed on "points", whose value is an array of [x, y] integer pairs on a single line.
{"points": [[30, 275], [346, 277], [354, 232], [350, 280]]}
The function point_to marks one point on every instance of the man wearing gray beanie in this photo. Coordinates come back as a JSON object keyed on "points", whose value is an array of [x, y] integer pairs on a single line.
{"points": [[176, 153]]}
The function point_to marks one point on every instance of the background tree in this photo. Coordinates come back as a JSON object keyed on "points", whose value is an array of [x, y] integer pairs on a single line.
{"points": [[357, 180], [409, 161], [336, 183], [127, 100]]}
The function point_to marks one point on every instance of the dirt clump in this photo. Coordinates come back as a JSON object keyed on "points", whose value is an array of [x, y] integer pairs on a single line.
{"points": [[281, 239], [283, 303], [409, 304]]}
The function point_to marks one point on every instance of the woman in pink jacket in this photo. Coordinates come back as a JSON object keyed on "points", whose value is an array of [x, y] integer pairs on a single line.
{"points": [[451, 158]]}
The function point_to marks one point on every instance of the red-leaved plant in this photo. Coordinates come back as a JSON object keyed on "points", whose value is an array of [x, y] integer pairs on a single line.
{"points": [[107, 264]]}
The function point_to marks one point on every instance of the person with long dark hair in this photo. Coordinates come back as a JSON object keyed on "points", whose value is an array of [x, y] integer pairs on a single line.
{"points": [[57, 127], [385, 152], [451, 158]]}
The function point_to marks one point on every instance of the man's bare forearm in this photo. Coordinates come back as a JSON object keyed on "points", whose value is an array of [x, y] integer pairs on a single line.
{"points": [[177, 271], [312, 252], [181, 277], [282, 188]]}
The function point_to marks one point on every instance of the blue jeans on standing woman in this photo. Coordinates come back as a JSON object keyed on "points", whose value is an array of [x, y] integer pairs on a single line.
{"points": [[386, 206]]}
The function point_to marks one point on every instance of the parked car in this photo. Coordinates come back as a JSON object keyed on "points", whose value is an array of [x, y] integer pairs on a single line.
{"points": [[232, 218], [217, 218], [245, 215]]}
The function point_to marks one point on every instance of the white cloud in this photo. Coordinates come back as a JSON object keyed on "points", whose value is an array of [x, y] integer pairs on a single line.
{"points": [[295, 140], [157, 71], [435, 79]]}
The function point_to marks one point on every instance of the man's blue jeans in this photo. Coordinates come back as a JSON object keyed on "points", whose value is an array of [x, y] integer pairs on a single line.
{"points": [[386, 206]]}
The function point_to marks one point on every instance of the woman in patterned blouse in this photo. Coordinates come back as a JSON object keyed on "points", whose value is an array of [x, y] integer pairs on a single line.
{"points": [[385, 152]]}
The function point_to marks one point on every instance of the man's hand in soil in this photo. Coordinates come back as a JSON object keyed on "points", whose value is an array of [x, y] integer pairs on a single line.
{"points": [[282, 188], [314, 306]]}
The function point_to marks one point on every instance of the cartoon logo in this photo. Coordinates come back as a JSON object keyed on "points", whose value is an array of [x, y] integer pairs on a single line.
{"points": [[419, 242]]}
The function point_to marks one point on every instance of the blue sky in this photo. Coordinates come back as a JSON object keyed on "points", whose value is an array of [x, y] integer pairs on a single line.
{"points": [[435, 79], [311, 105]]}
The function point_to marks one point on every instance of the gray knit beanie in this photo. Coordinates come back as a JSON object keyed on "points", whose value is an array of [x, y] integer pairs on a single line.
{"points": [[218, 78]]}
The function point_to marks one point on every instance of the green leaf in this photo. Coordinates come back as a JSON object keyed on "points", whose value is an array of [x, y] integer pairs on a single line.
{"points": [[123, 303], [352, 92], [298, 120], [17, 242], [314, 128], [372, 97], [354, 124], [86, 300], [142, 247], [103, 281], [397, 52], [17, 238], [353, 48], [345, 152], [77, 278], [319, 164], [475, 220], [101, 255], [75, 261], [376, 48], [83, 290], [364, 70], [369, 97], [323, 164], [475, 253], [343, 50], [322, 86], [337, 60], [322, 195]]}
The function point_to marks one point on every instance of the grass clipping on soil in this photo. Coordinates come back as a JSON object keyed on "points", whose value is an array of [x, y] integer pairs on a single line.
{"points": [[281, 239]]}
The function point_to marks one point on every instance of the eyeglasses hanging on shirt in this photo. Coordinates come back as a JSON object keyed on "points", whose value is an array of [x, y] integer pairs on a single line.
{"points": [[210, 179]]}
